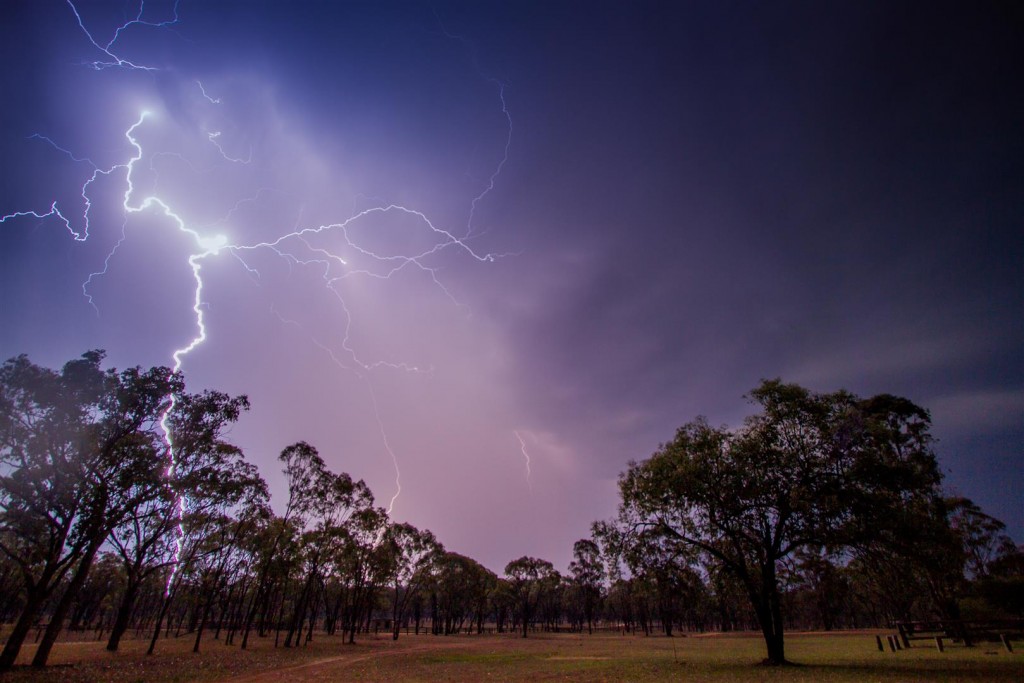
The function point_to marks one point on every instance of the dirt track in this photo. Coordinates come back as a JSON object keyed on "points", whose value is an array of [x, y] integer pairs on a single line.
{"points": [[333, 668]]}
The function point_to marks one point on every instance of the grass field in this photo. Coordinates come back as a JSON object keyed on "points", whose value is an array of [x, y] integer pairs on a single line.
{"points": [[820, 658]]}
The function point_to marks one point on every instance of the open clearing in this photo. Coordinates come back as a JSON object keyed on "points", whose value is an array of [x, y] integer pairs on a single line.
{"points": [[822, 658]]}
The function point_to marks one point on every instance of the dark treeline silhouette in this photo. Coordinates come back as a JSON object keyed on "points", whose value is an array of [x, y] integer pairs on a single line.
{"points": [[822, 512]]}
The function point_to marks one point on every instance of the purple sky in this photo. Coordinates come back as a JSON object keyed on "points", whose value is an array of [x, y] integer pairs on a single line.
{"points": [[626, 215]]}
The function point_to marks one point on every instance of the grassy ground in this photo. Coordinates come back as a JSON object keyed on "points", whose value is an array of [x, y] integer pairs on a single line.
{"points": [[821, 658]]}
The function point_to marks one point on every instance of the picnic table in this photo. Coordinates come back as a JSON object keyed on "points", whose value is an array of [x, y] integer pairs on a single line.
{"points": [[964, 631]]}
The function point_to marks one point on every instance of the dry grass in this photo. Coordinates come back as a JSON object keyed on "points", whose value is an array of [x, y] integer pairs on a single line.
{"points": [[822, 658]]}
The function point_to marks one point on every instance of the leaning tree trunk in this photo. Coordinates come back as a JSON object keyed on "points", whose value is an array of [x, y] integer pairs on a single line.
{"points": [[204, 617], [60, 613], [29, 613], [165, 606], [124, 614]]}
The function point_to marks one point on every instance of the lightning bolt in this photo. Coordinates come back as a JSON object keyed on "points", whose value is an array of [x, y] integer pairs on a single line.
{"points": [[522, 447], [117, 61], [501, 164], [208, 247], [293, 246]]}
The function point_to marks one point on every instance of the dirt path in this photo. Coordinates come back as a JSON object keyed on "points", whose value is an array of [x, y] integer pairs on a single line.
{"points": [[318, 669]]}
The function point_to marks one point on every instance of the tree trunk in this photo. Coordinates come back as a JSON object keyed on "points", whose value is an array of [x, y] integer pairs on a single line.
{"points": [[767, 606], [298, 617], [394, 614], [225, 611], [165, 607], [53, 629], [207, 607], [261, 593], [21, 628], [124, 614]]}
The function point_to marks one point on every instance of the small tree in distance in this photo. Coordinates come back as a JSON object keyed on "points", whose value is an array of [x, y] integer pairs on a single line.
{"points": [[528, 579], [587, 571]]}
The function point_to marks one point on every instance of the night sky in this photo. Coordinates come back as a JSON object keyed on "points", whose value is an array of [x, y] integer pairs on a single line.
{"points": [[606, 219]]}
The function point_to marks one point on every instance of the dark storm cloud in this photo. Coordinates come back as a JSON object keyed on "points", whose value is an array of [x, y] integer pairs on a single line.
{"points": [[827, 193], [696, 196]]}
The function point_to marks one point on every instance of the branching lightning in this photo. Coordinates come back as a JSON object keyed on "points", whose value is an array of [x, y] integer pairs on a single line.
{"points": [[293, 246], [108, 49], [501, 164]]}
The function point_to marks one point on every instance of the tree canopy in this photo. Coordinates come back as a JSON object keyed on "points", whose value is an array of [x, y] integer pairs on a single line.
{"points": [[808, 470]]}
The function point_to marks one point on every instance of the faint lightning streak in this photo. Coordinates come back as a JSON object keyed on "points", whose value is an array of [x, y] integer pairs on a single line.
{"points": [[106, 267], [387, 446], [497, 171], [37, 136], [504, 110], [212, 100], [212, 137], [79, 235], [522, 447], [373, 398]]}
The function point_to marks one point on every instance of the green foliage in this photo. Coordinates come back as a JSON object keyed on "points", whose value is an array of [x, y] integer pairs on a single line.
{"points": [[806, 471], [529, 580]]}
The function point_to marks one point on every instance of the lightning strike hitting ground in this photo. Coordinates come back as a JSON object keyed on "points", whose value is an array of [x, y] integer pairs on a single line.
{"points": [[324, 259], [333, 266]]}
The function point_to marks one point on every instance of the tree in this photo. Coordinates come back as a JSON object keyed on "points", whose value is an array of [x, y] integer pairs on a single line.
{"points": [[982, 536], [587, 571], [70, 444], [461, 590], [808, 470], [529, 579], [362, 564], [414, 558], [336, 499], [820, 586], [304, 470], [208, 472], [1003, 584]]}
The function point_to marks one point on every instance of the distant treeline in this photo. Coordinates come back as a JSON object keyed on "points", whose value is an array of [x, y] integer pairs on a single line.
{"points": [[124, 510]]}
